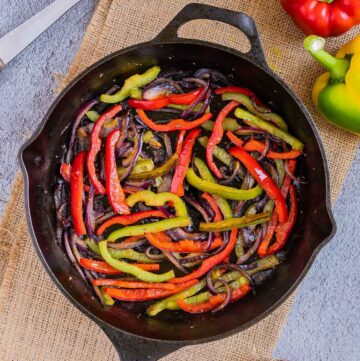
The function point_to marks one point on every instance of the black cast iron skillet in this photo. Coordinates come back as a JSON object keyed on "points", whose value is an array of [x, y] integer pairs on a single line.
{"points": [[151, 338]]}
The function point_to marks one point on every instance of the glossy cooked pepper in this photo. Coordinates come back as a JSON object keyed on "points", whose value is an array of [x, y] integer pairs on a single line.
{"points": [[132, 218], [263, 113], [95, 145], [323, 17], [174, 124], [135, 81], [132, 284], [257, 122], [156, 172], [177, 184], [77, 192], [163, 241], [181, 218], [210, 262], [132, 269], [220, 190], [213, 205], [219, 153], [148, 104], [266, 182], [180, 141], [216, 137], [106, 269], [228, 124], [236, 222], [114, 190], [184, 99], [337, 92], [65, 171], [146, 294]]}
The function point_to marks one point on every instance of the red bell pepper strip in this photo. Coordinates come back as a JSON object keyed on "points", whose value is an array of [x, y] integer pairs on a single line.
{"points": [[214, 206], [132, 284], [114, 190], [149, 104], [106, 269], [216, 137], [186, 98], [95, 145], [283, 230], [162, 241], [237, 89], [210, 262], [213, 301], [177, 184], [180, 141], [274, 218], [146, 294], [127, 219], [77, 192], [254, 145], [323, 17], [265, 181], [65, 170], [173, 125]]}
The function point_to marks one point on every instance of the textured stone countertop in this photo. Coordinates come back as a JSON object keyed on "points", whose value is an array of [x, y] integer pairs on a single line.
{"points": [[324, 323]]}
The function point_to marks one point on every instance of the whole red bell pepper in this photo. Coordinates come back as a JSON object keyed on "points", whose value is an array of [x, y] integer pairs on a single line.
{"points": [[77, 192], [265, 181], [177, 184], [127, 219], [210, 262], [216, 137], [173, 125], [95, 145], [114, 190], [323, 17]]}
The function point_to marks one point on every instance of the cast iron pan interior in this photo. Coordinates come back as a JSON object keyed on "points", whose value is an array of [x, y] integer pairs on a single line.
{"points": [[40, 159]]}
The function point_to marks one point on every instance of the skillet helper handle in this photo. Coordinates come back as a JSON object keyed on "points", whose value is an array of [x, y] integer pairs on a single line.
{"points": [[133, 348], [201, 11]]}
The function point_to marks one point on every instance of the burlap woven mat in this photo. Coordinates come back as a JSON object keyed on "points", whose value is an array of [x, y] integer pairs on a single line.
{"points": [[36, 321]]}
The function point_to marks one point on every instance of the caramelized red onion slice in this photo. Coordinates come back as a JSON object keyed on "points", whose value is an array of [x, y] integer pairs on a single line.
{"points": [[259, 236], [69, 252], [198, 99], [167, 143], [127, 245], [227, 298], [192, 259], [170, 256], [235, 172], [156, 257], [89, 213], [215, 75], [266, 149]]}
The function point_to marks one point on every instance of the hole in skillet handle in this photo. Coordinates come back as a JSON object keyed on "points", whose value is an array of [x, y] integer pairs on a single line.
{"points": [[133, 348], [239, 20]]}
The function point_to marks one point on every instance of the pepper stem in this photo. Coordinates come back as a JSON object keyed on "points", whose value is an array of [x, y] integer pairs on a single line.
{"points": [[337, 67]]}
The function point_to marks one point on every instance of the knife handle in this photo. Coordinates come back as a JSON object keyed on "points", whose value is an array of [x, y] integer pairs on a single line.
{"points": [[18, 39]]}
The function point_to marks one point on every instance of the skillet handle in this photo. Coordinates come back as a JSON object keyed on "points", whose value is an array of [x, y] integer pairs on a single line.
{"points": [[201, 11], [133, 348]]}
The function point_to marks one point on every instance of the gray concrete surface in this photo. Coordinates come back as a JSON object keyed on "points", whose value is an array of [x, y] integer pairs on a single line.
{"points": [[324, 323]]}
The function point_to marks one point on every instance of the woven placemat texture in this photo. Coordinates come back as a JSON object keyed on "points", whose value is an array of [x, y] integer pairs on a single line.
{"points": [[41, 324]]}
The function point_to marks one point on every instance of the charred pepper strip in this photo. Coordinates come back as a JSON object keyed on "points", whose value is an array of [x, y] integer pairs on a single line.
{"points": [[174, 124], [256, 170], [135, 81], [156, 172], [76, 193], [236, 222], [223, 191], [177, 184], [125, 220], [162, 241], [114, 190], [146, 294], [95, 145], [256, 122], [216, 137], [181, 218], [131, 269]]}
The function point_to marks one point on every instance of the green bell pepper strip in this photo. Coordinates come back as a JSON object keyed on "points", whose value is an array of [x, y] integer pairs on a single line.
{"points": [[170, 302], [136, 93], [156, 172], [239, 247], [248, 104], [92, 115], [131, 269], [224, 191], [184, 107], [257, 122], [219, 153], [141, 166], [205, 174], [150, 198], [149, 138], [107, 299], [281, 171], [228, 124], [135, 81], [129, 254], [236, 222]]}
